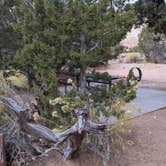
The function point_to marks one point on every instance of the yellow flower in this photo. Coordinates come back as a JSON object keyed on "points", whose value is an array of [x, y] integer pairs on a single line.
{"points": [[55, 114], [57, 100], [65, 108]]}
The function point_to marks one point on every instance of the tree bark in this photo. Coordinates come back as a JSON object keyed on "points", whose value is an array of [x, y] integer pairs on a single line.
{"points": [[2, 151], [83, 66], [83, 81]]}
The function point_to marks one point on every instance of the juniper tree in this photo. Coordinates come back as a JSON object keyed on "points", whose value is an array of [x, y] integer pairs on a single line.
{"points": [[9, 39], [78, 33]]}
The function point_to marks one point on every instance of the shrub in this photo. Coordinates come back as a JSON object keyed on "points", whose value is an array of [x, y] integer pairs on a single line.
{"points": [[132, 57], [106, 101], [17, 79], [63, 107], [4, 87], [101, 76], [5, 91]]}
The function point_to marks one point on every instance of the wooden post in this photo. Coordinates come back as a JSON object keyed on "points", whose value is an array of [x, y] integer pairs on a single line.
{"points": [[2, 151]]}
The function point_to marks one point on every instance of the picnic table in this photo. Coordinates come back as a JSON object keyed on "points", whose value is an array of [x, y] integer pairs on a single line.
{"points": [[90, 78]]}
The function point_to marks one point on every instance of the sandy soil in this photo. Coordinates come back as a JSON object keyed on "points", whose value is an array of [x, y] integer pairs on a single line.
{"points": [[154, 75], [145, 146], [149, 136], [85, 158]]}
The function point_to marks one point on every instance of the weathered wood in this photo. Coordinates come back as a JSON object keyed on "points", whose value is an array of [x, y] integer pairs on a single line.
{"points": [[74, 135], [2, 151]]}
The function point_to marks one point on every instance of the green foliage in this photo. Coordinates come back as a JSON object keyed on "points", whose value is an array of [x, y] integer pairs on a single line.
{"points": [[9, 39], [62, 108], [4, 87], [4, 118], [152, 13], [16, 79], [76, 33], [7, 92], [121, 91], [107, 101], [101, 76]]}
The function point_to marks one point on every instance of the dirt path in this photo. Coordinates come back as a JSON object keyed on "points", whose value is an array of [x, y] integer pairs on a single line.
{"points": [[149, 136], [147, 146], [85, 158]]}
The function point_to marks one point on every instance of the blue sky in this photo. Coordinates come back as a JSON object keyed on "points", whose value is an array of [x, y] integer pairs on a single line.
{"points": [[132, 1]]}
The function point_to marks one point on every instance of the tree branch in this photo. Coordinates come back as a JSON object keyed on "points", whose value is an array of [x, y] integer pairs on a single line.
{"points": [[94, 47]]}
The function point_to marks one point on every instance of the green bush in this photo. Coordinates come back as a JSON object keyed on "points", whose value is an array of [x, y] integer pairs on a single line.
{"points": [[17, 79], [4, 87], [122, 91], [5, 91], [101, 76]]}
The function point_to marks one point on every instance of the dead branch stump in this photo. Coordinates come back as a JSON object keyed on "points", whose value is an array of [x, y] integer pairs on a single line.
{"points": [[2, 151]]}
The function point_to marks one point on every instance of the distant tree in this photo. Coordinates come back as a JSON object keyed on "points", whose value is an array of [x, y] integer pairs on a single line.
{"points": [[152, 46], [153, 13]]}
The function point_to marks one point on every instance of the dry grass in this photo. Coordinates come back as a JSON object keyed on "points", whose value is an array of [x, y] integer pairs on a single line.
{"points": [[18, 80], [132, 57]]}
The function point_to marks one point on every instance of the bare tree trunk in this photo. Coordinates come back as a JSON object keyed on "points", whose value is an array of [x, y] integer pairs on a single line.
{"points": [[2, 151], [83, 66], [83, 81]]}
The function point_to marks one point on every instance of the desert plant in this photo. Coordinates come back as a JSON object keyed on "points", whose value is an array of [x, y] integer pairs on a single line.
{"points": [[132, 57], [4, 86], [112, 141], [63, 107], [16, 79], [4, 91], [109, 103]]}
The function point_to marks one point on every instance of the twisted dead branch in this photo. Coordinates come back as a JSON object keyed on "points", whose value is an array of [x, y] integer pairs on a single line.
{"points": [[73, 136]]}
